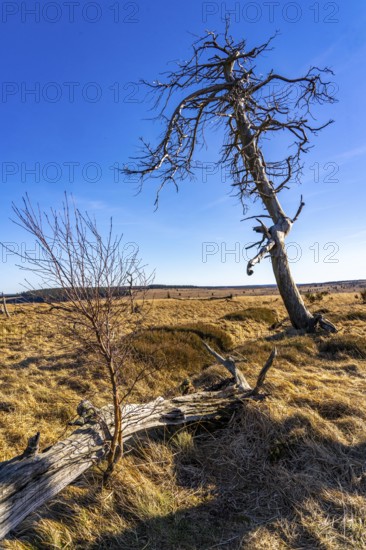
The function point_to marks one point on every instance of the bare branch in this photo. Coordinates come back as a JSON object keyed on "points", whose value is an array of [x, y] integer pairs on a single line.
{"points": [[255, 217], [230, 365], [225, 73], [302, 204], [262, 229], [261, 254], [263, 372]]}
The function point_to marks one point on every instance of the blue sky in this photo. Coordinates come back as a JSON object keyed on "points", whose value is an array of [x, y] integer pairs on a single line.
{"points": [[70, 111]]}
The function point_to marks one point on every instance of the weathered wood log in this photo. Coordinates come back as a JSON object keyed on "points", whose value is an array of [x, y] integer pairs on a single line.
{"points": [[33, 478], [27, 483]]}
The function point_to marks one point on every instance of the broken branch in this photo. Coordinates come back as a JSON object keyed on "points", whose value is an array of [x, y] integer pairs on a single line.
{"points": [[302, 204], [230, 365], [261, 254]]}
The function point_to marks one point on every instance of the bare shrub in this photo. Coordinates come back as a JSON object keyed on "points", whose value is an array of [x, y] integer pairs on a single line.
{"points": [[94, 291]]}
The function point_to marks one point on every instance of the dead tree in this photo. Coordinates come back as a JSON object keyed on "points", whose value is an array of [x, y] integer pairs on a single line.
{"points": [[4, 307], [32, 478], [220, 86], [96, 282]]}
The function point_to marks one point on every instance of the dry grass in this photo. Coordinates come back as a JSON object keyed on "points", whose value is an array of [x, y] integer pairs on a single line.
{"points": [[286, 473], [260, 314]]}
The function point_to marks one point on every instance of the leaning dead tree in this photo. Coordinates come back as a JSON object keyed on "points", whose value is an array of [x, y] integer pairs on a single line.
{"points": [[31, 479], [97, 283], [4, 306], [220, 86]]}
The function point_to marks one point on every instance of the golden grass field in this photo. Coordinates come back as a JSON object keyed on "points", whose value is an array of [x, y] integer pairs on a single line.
{"points": [[285, 473]]}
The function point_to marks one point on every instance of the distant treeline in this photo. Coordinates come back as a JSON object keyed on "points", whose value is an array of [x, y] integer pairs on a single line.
{"points": [[59, 294], [53, 295]]}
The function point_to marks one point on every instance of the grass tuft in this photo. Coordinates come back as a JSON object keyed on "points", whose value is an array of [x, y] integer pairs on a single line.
{"points": [[352, 346], [259, 314], [355, 316]]}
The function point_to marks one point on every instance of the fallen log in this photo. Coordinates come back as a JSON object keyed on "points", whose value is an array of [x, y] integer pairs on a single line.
{"points": [[32, 478]]}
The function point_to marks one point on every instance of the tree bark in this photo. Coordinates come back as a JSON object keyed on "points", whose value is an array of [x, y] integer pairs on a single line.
{"points": [[115, 450], [299, 315]]}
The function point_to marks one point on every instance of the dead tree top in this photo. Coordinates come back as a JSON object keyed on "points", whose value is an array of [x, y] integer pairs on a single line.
{"points": [[207, 89]]}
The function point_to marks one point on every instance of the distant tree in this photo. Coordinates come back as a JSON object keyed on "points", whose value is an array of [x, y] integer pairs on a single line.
{"points": [[220, 85], [93, 274], [4, 308], [313, 297]]}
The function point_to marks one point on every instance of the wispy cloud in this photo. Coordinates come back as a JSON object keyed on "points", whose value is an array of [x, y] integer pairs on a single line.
{"points": [[91, 206], [356, 235], [213, 204], [352, 153]]}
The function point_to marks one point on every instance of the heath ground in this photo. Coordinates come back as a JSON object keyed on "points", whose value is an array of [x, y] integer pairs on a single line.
{"points": [[286, 472]]}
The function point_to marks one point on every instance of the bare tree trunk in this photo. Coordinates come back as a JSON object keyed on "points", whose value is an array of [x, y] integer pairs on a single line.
{"points": [[5, 307], [115, 451], [299, 315]]}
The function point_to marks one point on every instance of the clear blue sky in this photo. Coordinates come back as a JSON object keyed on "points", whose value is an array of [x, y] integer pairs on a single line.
{"points": [[85, 115]]}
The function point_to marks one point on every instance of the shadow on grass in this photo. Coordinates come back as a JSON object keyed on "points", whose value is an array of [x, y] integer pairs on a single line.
{"points": [[261, 484], [290, 480], [52, 363]]}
